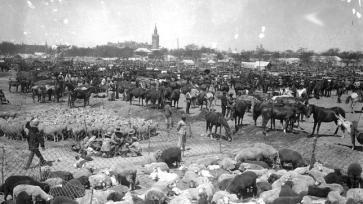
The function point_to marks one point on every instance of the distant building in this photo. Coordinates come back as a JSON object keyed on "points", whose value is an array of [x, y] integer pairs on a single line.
{"points": [[333, 60], [129, 44], [259, 65], [155, 39], [290, 60]]}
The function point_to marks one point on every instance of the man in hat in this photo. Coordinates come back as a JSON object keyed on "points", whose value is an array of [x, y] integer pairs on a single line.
{"points": [[34, 139], [118, 137], [107, 142]]}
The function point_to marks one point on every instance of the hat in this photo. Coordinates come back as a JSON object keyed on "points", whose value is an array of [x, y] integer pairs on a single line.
{"points": [[34, 123], [132, 131]]}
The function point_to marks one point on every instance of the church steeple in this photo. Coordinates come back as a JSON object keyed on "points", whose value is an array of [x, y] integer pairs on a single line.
{"points": [[155, 39], [155, 30]]}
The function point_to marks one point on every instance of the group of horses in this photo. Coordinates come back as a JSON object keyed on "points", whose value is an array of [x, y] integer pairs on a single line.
{"points": [[205, 91], [289, 110], [53, 89]]}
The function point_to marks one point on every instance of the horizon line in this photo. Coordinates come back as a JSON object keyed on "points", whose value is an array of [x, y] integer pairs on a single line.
{"points": [[199, 46]]}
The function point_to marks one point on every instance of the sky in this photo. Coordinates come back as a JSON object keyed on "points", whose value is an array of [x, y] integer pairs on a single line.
{"points": [[222, 24]]}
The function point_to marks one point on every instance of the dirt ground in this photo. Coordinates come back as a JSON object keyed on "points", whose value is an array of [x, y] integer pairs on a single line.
{"points": [[331, 150]]}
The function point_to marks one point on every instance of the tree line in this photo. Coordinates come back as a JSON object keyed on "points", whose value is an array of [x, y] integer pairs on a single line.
{"points": [[191, 51]]}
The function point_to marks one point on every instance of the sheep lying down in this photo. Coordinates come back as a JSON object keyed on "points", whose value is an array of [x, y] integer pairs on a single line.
{"points": [[33, 191]]}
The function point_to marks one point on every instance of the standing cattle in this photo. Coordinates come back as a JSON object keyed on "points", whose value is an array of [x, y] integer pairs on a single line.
{"points": [[175, 96], [154, 96], [283, 112], [238, 111], [137, 93]]}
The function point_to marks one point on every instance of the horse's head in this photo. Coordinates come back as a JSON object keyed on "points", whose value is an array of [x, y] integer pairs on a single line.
{"points": [[309, 110]]}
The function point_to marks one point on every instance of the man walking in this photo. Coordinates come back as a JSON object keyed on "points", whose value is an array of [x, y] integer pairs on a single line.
{"points": [[34, 140]]}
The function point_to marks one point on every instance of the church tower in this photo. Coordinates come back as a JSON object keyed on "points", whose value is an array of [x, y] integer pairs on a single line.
{"points": [[155, 39]]}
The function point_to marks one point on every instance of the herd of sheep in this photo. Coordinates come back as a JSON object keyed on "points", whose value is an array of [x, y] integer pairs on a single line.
{"points": [[258, 174], [59, 124]]}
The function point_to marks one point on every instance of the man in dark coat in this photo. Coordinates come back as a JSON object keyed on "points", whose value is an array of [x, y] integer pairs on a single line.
{"points": [[224, 103], [188, 98], [34, 139]]}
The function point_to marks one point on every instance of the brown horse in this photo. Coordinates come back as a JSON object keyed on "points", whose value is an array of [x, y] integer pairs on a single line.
{"points": [[79, 93], [216, 119]]}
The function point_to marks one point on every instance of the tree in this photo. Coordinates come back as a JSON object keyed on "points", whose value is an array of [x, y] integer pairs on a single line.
{"points": [[275, 55], [219, 56], [349, 57], [331, 52], [191, 47], [305, 55]]}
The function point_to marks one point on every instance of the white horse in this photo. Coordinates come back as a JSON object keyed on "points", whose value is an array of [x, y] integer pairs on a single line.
{"points": [[354, 98], [300, 92]]}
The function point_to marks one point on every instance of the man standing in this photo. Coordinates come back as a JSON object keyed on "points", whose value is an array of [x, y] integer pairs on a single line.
{"points": [[230, 102], [188, 98], [224, 103], [168, 115], [34, 139], [182, 132]]}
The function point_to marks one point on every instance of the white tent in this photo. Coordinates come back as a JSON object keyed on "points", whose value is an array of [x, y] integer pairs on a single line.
{"points": [[145, 50], [170, 58], [255, 65], [188, 62], [211, 62], [261, 65], [250, 65]]}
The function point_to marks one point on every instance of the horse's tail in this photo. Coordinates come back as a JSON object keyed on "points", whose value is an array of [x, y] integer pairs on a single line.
{"points": [[348, 99]]}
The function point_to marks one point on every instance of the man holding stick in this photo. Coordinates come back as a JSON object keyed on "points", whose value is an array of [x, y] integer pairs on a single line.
{"points": [[34, 139]]}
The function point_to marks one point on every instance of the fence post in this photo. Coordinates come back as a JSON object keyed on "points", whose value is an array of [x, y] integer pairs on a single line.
{"points": [[148, 146], [40, 172], [2, 165], [220, 143], [312, 159], [91, 195]]}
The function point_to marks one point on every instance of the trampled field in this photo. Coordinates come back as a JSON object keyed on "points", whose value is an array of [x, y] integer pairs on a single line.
{"points": [[331, 150]]}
